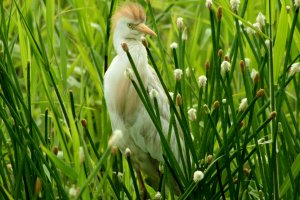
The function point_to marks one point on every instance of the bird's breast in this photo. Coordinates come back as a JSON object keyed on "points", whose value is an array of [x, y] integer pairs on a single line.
{"points": [[120, 94]]}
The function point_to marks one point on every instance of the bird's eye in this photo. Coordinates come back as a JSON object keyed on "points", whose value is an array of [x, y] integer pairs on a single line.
{"points": [[130, 25]]}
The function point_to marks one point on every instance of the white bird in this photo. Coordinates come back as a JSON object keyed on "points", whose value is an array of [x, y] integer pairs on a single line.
{"points": [[126, 110]]}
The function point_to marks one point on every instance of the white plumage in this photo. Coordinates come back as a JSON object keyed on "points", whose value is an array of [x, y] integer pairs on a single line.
{"points": [[127, 112]]}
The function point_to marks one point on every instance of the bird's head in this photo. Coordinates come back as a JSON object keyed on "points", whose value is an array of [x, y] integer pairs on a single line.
{"points": [[128, 22]]}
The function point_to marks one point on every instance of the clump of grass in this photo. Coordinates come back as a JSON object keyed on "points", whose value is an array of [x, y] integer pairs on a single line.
{"points": [[239, 119]]}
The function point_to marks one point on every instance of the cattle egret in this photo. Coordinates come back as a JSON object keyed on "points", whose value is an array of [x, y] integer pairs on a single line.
{"points": [[126, 110]]}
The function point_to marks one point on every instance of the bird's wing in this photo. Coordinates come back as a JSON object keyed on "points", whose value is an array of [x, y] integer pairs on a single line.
{"points": [[164, 110], [162, 100]]}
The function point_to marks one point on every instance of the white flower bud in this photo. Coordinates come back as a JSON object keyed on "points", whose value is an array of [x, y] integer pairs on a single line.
{"points": [[127, 152], [247, 62], [250, 31], [206, 109], [268, 43], [260, 19], [225, 67], [73, 191], [198, 176], [297, 3], [192, 114], [288, 9], [178, 100], [202, 81], [115, 138], [243, 105], [153, 94], [174, 45], [257, 26], [235, 4], [177, 74], [157, 196], [208, 4], [295, 68], [180, 23], [253, 74], [224, 101]]}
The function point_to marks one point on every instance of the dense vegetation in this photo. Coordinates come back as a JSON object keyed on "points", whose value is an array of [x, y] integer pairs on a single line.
{"points": [[240, 119]]}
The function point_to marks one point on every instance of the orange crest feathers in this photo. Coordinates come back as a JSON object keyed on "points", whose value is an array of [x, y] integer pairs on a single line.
{"points": [[129, 10]]}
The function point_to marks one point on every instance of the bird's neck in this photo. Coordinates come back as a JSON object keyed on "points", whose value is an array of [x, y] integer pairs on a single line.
{"points": [[134, 45]]}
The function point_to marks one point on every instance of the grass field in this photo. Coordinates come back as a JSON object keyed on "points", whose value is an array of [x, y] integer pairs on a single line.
{"points": [[241, 128]]}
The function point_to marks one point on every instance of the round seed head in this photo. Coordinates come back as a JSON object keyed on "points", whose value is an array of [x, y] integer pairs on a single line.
{"points": [[202, 81], [234, 4], [153, 94], [209, 158], [198, 176], [180, 24], [125, 47], [243, 105], [247, 62], [273, 114], [192, 114], [178, 100], [127, 152], [84, 123], [208, 4], [225, 67], [260, 93], [297, 3], [220, 53], [206, 109], [295, 68], [116, 137], [219, 13], [73, 191], [55, 150], [216, 105], [260, 19], [255, 76], [288, 9], [158, 196], [144, 41], [177, 74], [174, 45]]}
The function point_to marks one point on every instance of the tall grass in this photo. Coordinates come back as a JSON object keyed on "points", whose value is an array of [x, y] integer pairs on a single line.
{"points": [[54, 126]]}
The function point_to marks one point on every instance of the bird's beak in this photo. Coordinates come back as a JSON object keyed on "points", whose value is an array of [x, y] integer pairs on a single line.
{"points": [[145, 29]]}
